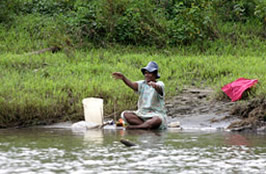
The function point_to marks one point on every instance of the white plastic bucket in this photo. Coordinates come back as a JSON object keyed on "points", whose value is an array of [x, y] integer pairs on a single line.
{"points": [[93, 110]]}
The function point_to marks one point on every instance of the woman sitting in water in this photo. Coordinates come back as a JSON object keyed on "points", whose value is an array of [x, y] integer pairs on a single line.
{"points": [[151, 113]]}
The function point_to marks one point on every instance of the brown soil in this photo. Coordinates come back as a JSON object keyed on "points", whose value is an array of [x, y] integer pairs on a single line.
{"points": [[253, 114], [194, 101]]}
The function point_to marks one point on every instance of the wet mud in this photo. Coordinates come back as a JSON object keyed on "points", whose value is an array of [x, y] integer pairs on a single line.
{"points": [[197, 108], [252, 113]]}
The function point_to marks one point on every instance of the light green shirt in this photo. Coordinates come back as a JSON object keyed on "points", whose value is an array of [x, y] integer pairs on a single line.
{"points": [[151, 103]]}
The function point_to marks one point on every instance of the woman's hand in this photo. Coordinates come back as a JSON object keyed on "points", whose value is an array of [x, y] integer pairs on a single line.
{"points": [[156, 87], [118, 75], [132, 85], [153, 84]]}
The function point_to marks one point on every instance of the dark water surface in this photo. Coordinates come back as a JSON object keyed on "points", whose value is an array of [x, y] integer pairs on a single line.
{"points": [[60, 150]]}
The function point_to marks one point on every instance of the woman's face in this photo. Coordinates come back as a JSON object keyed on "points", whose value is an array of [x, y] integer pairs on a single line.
{"points": [[149, 76]]}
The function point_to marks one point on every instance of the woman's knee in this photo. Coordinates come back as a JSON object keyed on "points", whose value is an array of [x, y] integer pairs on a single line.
{"points": [[157, 121], [130, 116], [127, 115]]}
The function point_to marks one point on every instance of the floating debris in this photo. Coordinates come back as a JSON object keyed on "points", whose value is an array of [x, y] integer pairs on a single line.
{"points": [[127, 143]]}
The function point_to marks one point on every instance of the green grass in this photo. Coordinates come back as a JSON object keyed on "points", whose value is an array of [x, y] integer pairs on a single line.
{"points": [[38, 89], [50, 87], [31, 32]]}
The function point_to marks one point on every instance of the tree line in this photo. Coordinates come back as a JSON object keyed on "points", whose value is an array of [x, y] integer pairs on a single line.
{"points": [[139, 22]]}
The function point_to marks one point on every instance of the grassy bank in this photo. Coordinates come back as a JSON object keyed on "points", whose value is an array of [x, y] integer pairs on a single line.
{"points": [[40, 89]]}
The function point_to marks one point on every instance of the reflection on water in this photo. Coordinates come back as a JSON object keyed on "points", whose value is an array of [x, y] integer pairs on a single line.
{"points": [[59, 150], [94, 136], [237, 139]]}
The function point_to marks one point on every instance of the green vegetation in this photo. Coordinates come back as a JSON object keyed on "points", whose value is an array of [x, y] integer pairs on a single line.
{"points": [[204, 43]]}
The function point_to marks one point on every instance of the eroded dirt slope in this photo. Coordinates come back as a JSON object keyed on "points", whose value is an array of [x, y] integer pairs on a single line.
{"points": [[196, 105]]}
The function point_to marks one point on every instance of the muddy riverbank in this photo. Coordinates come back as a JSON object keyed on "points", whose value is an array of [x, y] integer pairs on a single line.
{"points": [[197, 107]]}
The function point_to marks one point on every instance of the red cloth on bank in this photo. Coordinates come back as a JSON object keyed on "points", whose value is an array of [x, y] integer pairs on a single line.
{"points": [[235, 89]]}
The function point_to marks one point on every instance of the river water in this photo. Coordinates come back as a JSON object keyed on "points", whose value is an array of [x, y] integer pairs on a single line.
{"points": [[58, 149]]}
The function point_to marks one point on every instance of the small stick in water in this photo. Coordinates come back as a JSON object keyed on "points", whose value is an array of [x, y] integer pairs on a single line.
{"points": [[127, 143]]}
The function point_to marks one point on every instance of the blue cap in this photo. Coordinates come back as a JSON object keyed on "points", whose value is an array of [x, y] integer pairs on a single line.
{"points": [[151, 67]]}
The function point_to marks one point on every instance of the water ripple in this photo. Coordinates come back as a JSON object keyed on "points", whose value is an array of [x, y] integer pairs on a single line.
{"points": [[167, 153]]}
